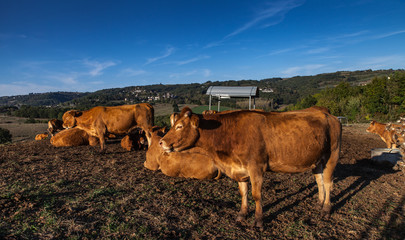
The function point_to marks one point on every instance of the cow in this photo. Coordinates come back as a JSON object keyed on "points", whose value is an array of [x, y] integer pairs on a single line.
{"points": [[209, 112], [386, 135], [192, 163], [136, 140], [54, 126], [41, 136], [245, 144], [73, 137], [119, 120]]}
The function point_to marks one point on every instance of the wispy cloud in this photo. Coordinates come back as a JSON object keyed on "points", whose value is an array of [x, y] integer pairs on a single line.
{"points": [[169, 51], [391, 61], [184, 62], [302, 70], [273, 14], [21, 88], [97, 67], [385, 35], [132, 72], [201, 72], [318, 50]]}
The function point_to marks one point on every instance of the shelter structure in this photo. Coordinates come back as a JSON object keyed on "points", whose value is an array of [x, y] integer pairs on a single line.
{"points": [[226, 92]]}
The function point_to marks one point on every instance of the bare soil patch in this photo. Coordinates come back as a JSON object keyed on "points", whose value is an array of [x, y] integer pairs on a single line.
{"points": [[48, 192]]}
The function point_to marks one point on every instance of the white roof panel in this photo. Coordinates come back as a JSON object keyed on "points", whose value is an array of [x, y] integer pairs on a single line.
{"points": [[226, 92]]}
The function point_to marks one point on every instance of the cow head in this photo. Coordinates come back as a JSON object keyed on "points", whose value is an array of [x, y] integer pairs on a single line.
{"points": [[154, 151], [372, 127], [184, 132], [69, 118]]}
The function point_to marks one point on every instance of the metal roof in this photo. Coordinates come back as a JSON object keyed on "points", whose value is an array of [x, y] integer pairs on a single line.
{"points": [[227, 92]]}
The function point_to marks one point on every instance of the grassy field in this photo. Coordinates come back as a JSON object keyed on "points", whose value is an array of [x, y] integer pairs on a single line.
{"points": [[20, 130]]}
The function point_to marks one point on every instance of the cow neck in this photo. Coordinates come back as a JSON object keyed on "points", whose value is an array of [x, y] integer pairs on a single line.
{"points": [[85, 119], [380, 129], [209, 130]]}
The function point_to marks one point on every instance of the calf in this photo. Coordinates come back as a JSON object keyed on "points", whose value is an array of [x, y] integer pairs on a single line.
{"points": [[54, 126], [73, 137], [136, 140], [41, 136], [386, 135], [192, 163]]}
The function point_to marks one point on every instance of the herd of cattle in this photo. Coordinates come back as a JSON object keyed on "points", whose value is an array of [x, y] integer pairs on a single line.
{"points": [[242, 144]]}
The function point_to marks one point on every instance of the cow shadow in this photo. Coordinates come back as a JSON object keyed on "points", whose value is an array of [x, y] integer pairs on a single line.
{"points": [[364, 169]]}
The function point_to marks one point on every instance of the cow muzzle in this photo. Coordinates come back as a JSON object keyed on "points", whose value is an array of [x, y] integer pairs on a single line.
{"points": [[165, 147]]}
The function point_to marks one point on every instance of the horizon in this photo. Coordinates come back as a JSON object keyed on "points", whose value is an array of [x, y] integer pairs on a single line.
{"points": [[195, 82], [73, 46]]}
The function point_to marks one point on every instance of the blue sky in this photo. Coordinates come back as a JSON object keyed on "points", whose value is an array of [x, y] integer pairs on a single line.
{"points": [[79, 45]]}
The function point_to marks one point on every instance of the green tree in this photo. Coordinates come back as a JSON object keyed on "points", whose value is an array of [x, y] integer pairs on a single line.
{"points": [[5, 136], [377, 96]]}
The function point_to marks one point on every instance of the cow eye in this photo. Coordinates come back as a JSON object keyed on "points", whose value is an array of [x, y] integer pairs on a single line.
{"points": [[178, 127]]}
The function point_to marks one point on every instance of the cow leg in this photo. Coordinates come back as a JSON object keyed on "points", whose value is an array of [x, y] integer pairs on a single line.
{"points": [[318, 172], [243, 190], [328, 181], [257, 182], [101, 137]]}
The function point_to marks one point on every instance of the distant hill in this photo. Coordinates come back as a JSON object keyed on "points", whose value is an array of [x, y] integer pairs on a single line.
{"points": [[41, 99], [279, 90]]}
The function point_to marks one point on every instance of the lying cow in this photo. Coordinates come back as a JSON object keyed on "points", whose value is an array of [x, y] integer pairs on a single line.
{"points": [[136, 140], [192, 163], [54, 126], [120, 120], [386, 135], [41, 136], [245, 144], [73, 137]]}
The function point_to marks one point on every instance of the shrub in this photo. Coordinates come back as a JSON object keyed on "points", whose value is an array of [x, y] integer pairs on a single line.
{"points": [[5, 136]]}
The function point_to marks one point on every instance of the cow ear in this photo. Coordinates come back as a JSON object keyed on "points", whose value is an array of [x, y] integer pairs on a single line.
{"points": [[173, 118], [77, 113], [188, 114], [195, 121]]}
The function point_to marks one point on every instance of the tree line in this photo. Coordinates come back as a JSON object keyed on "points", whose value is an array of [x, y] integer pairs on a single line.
{"points": [[382, 99]]}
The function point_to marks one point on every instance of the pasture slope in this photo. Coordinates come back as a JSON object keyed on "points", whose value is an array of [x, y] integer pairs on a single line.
{"points": [[78, 193]]}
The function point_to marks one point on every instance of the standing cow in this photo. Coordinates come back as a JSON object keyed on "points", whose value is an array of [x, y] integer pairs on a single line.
{"points": [[119, 120], [245, 144]]}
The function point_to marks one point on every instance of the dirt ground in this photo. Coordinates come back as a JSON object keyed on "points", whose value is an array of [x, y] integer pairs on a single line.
{"points": [[79, 193]]}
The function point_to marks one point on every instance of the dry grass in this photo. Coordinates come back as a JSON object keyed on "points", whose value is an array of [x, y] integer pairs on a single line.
{"points": [[19, 130]]}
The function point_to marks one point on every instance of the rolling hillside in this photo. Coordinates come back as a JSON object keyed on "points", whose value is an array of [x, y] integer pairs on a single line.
{"points": [[281, 91]]}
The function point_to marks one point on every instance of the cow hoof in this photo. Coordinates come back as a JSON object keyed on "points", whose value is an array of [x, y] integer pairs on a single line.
{"points": [[325, 215], [241, 217], [259, 225]]}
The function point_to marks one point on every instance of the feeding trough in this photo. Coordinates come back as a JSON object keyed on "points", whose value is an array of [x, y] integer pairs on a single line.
{"points": [[387, 156]]}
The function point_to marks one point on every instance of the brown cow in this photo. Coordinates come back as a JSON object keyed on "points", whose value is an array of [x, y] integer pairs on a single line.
{"points": [[73, 137], [41, 136], [54, 126], [119, 120], [209, 112], [192, 163], [245, 144], [136, 140], [386, 135]]}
